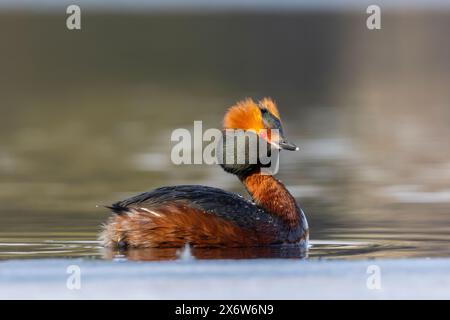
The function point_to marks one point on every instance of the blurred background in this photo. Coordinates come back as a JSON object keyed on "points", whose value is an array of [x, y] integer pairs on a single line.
{"points": [[86, 115]]}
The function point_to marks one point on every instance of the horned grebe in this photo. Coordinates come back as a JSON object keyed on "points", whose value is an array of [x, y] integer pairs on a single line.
{"points": [[209, 217]]}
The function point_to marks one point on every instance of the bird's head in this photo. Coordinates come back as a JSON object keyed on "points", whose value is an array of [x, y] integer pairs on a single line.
{"points": [[262, 118]]}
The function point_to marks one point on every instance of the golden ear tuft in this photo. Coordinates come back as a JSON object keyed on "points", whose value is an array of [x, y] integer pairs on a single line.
{"points": [[244, 115]]}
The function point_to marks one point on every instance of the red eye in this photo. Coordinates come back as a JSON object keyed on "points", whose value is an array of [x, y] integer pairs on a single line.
{"points": [[265, 134]]}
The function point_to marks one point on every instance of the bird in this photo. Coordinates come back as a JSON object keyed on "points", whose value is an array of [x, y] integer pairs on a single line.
{"points": [[204, 216]]}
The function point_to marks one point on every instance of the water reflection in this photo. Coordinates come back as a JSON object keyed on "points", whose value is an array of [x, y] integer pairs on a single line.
{"points": [[156, 254]]}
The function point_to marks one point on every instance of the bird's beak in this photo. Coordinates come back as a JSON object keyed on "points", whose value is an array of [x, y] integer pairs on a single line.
{"points": [[280, 142], [285, 145]]}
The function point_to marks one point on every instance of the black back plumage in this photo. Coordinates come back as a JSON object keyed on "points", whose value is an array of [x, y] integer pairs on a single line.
{"points": [[227, 205]]}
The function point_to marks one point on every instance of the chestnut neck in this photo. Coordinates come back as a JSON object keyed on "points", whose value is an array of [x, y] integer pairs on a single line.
{"points": [[270, 194]]}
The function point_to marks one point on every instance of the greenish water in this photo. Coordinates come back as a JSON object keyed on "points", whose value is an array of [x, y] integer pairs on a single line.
{"points": [[86, 120]]}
